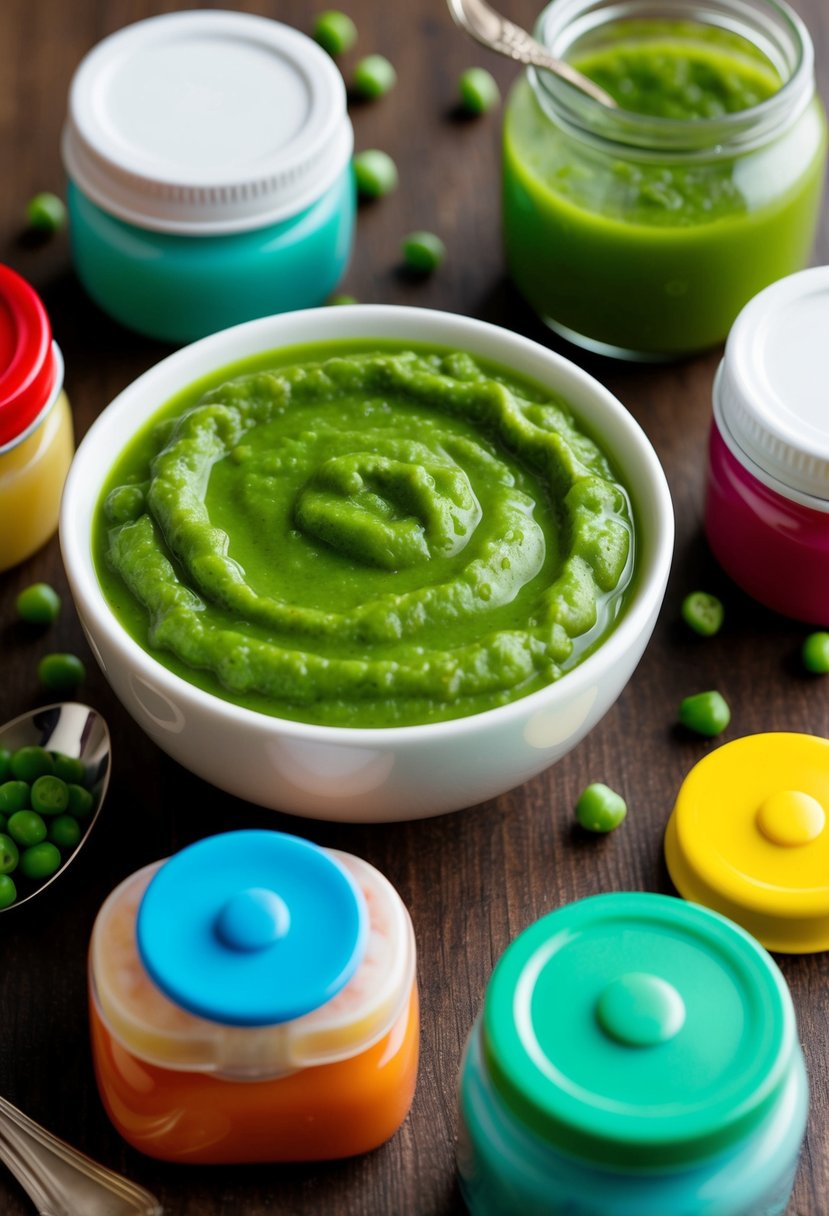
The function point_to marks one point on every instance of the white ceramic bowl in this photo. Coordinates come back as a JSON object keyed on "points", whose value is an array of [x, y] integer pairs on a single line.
{"points": [[368, 774]]}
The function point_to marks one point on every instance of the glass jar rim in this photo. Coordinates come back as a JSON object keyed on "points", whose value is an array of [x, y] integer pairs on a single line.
{"points": [[561, 22]]}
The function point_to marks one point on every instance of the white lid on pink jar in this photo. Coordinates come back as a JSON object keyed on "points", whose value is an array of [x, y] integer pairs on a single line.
{"points": [[771, 394]]}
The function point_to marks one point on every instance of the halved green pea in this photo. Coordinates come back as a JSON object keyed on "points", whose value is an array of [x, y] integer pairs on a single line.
{"points": [[14, 796], [600, 809], [65, 831], [29, 763], [50, 796], [26, 828], [38, 604], [703, 613], [40, 861], [9, 854], [705, 713]]}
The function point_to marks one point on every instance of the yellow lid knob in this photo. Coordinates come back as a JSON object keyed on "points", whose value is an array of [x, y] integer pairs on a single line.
{"points": [[791, 818], [748, 837]]}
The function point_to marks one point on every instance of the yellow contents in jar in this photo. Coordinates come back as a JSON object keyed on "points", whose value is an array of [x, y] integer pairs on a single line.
{"points": [[32, 474]]}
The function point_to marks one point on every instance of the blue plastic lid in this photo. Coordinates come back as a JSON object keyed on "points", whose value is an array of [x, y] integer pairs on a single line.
{"points": [[252, 928]]}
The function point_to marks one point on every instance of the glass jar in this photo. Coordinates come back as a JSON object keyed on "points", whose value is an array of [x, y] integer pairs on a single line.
{"points": [[636, 1056], [254, 999], [643, 235], [210, 180], [36, 441], [767, 495]]}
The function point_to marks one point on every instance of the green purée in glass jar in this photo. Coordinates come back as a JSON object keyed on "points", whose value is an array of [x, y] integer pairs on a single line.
{"points": [[642, 231]]}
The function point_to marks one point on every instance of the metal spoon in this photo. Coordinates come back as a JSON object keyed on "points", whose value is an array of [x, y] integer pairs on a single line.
{"points": [[57, 1178], [77, 731], [498, 34], [60, 1180]]}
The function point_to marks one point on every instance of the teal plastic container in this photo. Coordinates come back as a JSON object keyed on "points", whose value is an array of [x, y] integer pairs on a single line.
{"points": [[636, 1056], [210, 179]]}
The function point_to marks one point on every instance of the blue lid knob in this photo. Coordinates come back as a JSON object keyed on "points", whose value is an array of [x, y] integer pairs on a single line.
{"points": [[252, 928]]}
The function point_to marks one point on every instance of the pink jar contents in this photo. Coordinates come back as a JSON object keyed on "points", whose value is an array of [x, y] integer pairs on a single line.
{"points": [[767, 499]]}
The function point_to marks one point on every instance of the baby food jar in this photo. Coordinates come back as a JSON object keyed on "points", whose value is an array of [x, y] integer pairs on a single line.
{"points": [[208, 156], [748, 837], [767, 501], [636, 1056], [643, 234], [36, 441], [254, 999]]}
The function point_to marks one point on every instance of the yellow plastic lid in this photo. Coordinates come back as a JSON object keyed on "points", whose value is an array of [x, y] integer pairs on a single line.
{"points": [[749, 837]]}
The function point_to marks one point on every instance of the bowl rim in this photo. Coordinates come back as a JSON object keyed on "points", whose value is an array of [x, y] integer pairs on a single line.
{"points": [[135, 405]]}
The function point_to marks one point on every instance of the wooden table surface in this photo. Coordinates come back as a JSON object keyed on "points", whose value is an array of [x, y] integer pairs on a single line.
{"points": [[474, 879]]}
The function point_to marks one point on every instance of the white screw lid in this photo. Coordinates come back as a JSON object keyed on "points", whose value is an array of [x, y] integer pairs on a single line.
{"points": [[206, 123], [772, 392]]}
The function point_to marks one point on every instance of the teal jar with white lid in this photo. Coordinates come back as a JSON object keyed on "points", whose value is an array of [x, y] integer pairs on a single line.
{"points": [[209, 165], [636, 1056]]}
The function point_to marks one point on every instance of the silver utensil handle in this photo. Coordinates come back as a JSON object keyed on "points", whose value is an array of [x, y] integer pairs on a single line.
{"points": [[62, 1181]]}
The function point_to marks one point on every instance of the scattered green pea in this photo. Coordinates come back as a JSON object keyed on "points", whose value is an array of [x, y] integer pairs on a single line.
{"points": [[705, 713], [49, 796], [335, 32], [45, 212], [60, 672], [69, 768], [600, 809], [423, 251], [65, 832], [29, 763], [40, 861], [374, 76], [14, 796], [703, 613], [9, 854], [479, 91], [26, 828], [815, 653], [38, 604], [5, 763], [8, 891], [80, 801], [339, 300], [375, 173]]}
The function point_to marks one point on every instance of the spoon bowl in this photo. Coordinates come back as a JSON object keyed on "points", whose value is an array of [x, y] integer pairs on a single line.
{"points": [[76, 731]]}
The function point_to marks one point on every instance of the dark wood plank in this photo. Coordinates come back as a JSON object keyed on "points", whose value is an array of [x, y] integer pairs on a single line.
{"points": [[474, 879]]}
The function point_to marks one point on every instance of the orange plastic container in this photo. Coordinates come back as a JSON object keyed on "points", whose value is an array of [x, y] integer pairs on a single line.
{"points": [[335, 1081]]}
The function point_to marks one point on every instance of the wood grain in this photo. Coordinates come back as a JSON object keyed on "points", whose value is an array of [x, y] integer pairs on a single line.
{"points": [[472, 880]]}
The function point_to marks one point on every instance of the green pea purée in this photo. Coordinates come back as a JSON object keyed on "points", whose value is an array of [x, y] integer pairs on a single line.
{"points": [[360, 535]]}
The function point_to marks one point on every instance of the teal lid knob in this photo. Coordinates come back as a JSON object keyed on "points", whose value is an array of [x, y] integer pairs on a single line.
{"points": [[253, 919], [640, 1010], [252, 928]]}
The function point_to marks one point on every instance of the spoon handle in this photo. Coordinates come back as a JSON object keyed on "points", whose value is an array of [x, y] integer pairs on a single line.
{"points": [[60, 1180], [503, 36]]}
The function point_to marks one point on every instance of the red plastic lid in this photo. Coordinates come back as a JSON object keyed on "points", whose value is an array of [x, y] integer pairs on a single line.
{"points": [[27, 363]]}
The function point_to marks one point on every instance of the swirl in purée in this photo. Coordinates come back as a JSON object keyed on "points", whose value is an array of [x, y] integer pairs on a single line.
{"points": [[377, 539]]}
